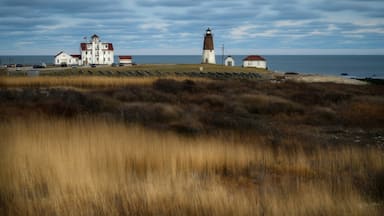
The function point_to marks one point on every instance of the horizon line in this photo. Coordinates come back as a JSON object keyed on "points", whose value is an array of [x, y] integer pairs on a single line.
{"points": [[229, 51]]}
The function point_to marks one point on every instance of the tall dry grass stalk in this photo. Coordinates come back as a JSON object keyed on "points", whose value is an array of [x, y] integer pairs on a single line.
{"points": [[79, 81], [96, 167], [76, 81]]}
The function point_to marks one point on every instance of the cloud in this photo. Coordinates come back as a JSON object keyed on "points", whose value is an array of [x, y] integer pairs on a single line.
{"points": [[50, 26], [251, 31], [291, 23], [155, 25], [168, 3], [366, 31]]}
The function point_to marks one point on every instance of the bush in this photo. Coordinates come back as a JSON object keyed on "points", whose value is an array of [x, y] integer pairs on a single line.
{"points": [[269, 104], [364, 112], [149, 113], [189, 86], [142, 94], [168, 85]]}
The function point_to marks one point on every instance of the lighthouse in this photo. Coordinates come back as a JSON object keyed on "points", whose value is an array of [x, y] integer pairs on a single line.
{"points": [[208, 50]]}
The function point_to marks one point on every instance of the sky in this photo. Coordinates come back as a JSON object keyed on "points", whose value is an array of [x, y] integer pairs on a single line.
{"points": [[171, 27]]}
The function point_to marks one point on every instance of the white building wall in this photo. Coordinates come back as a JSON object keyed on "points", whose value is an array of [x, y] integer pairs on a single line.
{"points": [[97, 53], [64, 58], [229, 61], [255, 64], [209, 57], [125, 61], [106, 56]]}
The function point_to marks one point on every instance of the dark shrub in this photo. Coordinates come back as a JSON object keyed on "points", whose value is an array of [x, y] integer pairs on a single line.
{"points": [[378, 185], [149, 113], [142, 94], [168, 85], [60, 108], [189, 86]]}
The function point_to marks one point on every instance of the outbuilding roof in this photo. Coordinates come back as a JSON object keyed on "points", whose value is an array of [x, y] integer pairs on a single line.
{"points": [[125, 57], [254, 58], [59, 53], [76, 56]]}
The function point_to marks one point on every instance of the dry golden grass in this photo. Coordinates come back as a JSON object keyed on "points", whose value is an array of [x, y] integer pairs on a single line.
{"points": [[77, 81], [190, 68], [96, 167], [169, 68]]}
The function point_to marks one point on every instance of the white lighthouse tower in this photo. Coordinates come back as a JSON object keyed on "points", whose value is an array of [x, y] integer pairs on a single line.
{"points": [[208, 50]]}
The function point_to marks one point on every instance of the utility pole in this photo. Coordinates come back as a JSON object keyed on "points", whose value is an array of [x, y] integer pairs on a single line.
{"points": [[222, 56]]}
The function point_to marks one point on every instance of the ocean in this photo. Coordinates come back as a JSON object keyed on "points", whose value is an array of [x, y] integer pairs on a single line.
{"points": [[360, 66]]}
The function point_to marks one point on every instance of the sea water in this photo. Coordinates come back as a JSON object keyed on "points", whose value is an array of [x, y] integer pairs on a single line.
{"points": [[360, 66]]}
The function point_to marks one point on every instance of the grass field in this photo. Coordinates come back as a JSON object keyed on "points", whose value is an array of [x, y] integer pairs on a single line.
{"points": [[77, 81], [152, 69], [89, 145], [97, 167]]}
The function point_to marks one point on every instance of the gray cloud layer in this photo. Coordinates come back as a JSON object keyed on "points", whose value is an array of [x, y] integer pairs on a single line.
{"points": [[50, 26]]}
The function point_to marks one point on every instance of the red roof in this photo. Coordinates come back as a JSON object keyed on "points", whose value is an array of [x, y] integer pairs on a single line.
{"points": [[110, 46], [76, 56], [125, 57], [83, 46], [254, 58]]}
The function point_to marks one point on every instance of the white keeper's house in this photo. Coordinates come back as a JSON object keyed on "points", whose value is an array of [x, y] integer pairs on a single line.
{"points": [[63, 58], [255, 61], [96, 52]]}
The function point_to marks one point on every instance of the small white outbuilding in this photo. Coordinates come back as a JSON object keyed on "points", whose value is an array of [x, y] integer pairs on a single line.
{"points": [[63, 58], [229, 61], [255, 61], [125, 60]]}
